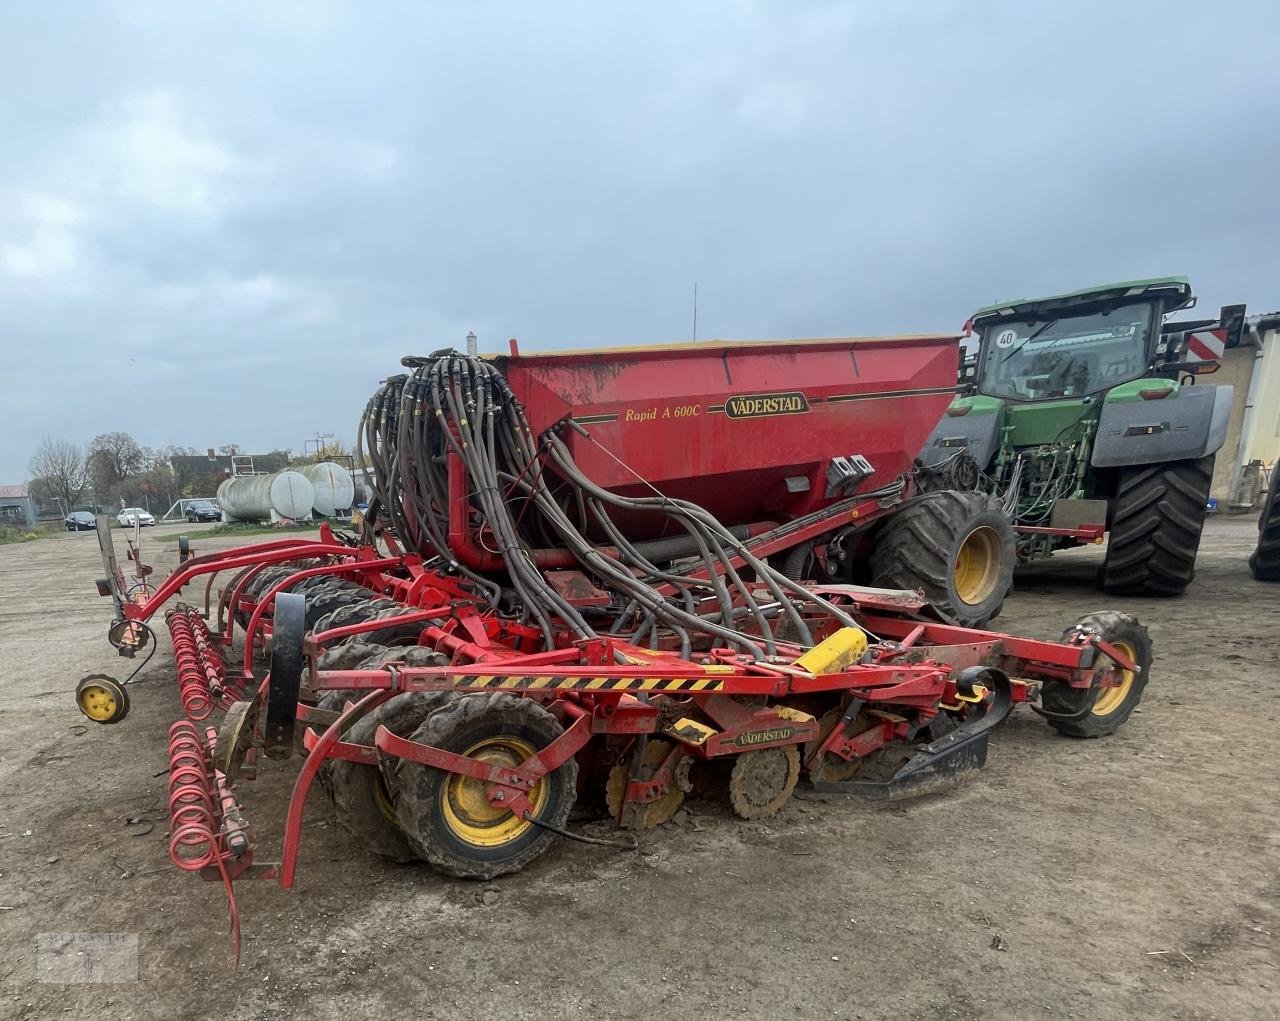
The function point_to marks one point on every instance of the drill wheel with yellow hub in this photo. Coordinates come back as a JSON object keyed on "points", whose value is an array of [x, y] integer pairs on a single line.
{"points": [[103, 699], [450, 819]]}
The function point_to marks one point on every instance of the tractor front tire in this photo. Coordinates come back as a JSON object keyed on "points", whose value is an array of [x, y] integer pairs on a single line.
{"points": [[956, 548], [447, 817], [1264, 563], [1157, 516]]}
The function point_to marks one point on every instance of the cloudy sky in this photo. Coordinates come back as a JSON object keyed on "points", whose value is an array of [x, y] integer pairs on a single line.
{"points": [[224, 223]]}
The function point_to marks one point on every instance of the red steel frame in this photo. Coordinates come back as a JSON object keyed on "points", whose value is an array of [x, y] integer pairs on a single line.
{"points": [[913, 667]]}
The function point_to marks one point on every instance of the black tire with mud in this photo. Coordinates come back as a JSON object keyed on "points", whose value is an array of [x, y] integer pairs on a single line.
{"points": [[363, 797], [1156, 518], [1264, 563], [420, 791], [1114, 628], [920, 547]]}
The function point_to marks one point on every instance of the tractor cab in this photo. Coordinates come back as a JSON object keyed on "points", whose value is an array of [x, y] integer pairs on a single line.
{"points": [[1074, 345]]}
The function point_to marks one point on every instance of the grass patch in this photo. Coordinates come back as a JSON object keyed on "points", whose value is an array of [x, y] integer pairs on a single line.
{"points": [[10, 534]]}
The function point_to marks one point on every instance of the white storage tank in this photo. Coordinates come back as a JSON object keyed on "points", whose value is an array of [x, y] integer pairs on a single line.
{"points": [[334, 489], [286, 494]]}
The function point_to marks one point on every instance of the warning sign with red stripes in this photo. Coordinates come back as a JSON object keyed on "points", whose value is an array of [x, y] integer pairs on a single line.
{"points": [[1206, 345]]}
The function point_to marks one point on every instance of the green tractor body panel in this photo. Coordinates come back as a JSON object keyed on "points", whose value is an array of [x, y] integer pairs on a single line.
{"points": [[1033, 425], [1065, 393]]}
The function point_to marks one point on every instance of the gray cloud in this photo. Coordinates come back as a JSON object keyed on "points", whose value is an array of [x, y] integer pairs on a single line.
{"points": [[226, 224]]}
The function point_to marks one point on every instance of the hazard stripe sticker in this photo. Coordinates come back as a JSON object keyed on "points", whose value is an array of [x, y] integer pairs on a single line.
{"points": [[561, 683]]}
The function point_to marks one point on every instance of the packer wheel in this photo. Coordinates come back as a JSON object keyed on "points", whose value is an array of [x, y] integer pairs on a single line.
{"points": [[448, 819], [1108, 708], [762, 781], [651, 813], [363, 796]]}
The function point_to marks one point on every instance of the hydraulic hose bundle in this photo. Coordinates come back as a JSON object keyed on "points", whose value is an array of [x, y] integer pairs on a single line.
{"points": [[527, 492]]}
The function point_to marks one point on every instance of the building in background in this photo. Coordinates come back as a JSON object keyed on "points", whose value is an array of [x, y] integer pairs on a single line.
{"points": [[17, 508], [1244, 463]]}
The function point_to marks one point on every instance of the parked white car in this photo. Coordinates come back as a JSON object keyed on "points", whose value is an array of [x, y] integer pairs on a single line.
{"points": [[130, 516]]}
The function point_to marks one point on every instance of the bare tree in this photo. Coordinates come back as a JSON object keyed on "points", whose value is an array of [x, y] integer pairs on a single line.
{"points": [[60, 468]]}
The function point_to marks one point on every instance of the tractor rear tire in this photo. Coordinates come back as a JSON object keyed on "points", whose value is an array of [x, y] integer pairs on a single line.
{"points": [[1108, 707], [447, 818], [956, 548], [1157, 516], [1264, 564]]}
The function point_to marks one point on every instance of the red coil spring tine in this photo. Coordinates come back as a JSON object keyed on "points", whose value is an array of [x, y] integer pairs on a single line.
{"points": [[187, 755], [186, 739], [186, 758], [187, 742], [188, 776], [191, 812], [184, 727], [197, 705], [193, 679], [184, 796], [192, 847]]}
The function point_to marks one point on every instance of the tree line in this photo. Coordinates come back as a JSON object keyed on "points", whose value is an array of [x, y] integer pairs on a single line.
{"points": [[114, 470], [112, 467]]}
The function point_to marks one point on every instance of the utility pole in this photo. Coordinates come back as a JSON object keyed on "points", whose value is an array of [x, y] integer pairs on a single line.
{"points": [[695, 310], [319, 441]]}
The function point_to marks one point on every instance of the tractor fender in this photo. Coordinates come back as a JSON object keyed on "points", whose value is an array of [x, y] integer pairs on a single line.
{"points": [[1191, 422], [976, 432]]}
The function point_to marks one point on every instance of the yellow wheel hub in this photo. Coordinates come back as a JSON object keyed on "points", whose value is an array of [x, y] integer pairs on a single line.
{"points": [[1111, 699], [467, 810], [102, 699], [977, 566]]}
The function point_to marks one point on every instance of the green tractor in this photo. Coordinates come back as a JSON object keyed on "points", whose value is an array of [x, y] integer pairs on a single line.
{"points": [[1084, 415]]}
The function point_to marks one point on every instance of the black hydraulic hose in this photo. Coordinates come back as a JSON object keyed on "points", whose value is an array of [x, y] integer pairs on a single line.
{"points": [[453, 404]]}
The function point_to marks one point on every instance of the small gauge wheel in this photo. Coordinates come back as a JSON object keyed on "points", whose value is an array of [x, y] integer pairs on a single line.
{"points": [[102, 699]]}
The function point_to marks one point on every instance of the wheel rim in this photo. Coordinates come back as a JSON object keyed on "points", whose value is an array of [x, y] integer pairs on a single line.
{"points": [[977, 565], [1110, 699], [98, 702], [467, 811], [382, 798]]}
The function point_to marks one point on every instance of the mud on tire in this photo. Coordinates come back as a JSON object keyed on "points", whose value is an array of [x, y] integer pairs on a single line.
{"points": [[363, 796], [1108, 708], [957, 548], [445, 819]]}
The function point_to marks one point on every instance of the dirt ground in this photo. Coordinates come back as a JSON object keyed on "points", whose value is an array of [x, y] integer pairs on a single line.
{"points": [[1135, 876]]}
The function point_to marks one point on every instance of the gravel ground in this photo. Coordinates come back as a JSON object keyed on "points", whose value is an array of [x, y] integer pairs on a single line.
{"points": [[1134, 876]]}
